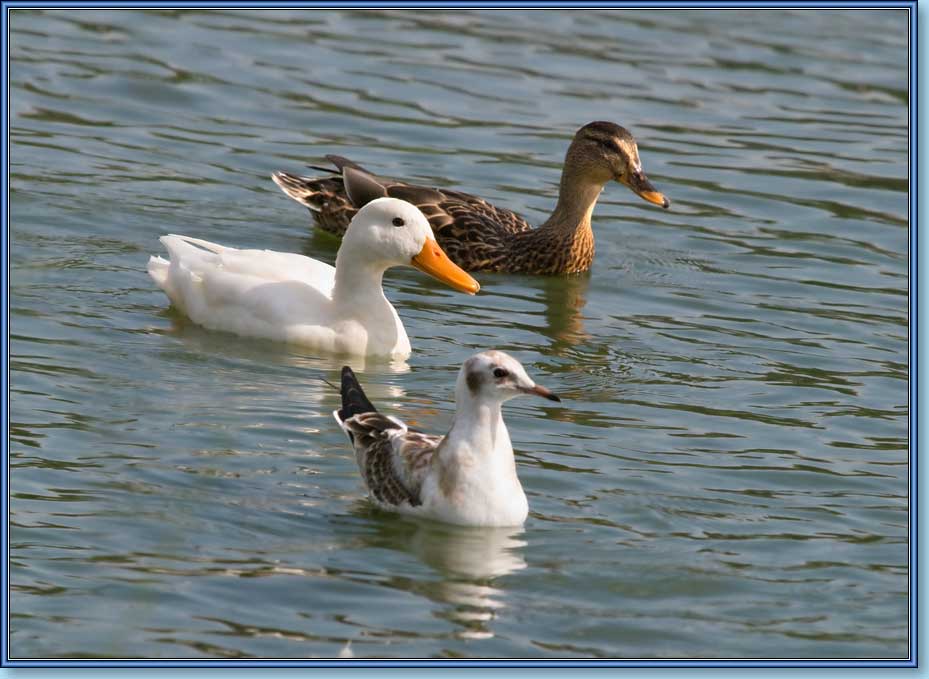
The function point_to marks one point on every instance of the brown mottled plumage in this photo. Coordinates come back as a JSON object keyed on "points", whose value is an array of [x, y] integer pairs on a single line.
{"points": [[481, 237], [393, 459]]}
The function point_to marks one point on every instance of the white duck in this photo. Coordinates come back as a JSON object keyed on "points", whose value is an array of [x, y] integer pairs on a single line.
{"points": [[289, 297], [466, 477]]}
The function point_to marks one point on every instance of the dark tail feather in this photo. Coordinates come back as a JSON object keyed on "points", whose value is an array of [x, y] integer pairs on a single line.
{"points": [[342, 162], [354, 400], [327, 170]]}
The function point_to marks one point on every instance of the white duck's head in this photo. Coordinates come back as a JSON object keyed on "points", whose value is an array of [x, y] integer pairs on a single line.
{"points": [[497, 376], [393, 232]]}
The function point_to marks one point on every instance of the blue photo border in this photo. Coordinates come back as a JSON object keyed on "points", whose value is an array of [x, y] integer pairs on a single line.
{"points": [[909, 662]]}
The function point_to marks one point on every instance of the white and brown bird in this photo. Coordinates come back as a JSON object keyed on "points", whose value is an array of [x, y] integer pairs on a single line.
{"points": [[467, 477], [479, 236]]}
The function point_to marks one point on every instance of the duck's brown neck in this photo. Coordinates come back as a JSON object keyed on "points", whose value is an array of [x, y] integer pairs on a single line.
{"points": [[576, 200], [565, 242]]}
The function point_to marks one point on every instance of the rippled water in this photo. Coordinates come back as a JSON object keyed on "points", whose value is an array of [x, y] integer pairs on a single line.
{"points": [[728, 476]]}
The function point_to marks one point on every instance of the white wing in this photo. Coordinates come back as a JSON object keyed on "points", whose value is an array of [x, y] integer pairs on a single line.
{"points": [[249, 292]]}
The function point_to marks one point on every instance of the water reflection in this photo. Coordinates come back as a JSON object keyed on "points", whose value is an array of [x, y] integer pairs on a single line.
{"points": [[564, 299], [469, 563], [320, 245], [472, 553], [470, 560], [199, 340]]}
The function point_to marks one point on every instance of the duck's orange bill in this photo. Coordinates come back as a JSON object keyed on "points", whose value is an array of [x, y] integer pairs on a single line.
{"points": [[433, 261], [655, 197]]}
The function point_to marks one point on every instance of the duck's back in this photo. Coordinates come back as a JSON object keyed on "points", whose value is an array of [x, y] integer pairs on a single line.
{"points": [[203, 258], [256, 293], [474, 233]]}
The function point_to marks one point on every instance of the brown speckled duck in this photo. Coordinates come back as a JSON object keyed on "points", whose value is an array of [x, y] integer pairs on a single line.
{"points": [[479, 236]]}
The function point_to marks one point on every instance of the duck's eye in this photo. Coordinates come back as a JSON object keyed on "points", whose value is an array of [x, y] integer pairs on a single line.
{"points": [[398, 221], [501, 372]]}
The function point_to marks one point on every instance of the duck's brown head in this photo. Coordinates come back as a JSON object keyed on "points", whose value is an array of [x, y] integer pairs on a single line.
{"points": [[604, 151]]}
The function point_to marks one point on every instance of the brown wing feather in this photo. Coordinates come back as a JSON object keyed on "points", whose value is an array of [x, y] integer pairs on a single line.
{"points": [[392, 459], [323, 196], [477, 235]]}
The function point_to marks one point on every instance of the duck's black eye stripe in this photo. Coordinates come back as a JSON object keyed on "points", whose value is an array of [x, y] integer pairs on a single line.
{"points": [[609, 144], [398, 221]]}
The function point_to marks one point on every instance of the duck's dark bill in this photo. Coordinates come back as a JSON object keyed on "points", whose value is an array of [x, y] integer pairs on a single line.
{"points": [[640, 185], [433, 261]]}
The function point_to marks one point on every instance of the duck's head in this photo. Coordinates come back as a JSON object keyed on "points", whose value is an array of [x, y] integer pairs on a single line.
{"points": [[603, 151], [497, 376], [396, 233]]}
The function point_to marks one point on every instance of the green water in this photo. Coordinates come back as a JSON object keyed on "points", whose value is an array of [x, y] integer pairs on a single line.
{"points": [[727, 475]]}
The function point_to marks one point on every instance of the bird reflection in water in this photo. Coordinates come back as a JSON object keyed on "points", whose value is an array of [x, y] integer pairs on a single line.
{"points": [[200, 341], [564, 298], [469, 563], [469, 560]]}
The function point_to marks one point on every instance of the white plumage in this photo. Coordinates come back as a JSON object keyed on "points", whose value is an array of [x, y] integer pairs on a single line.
{"points": [[466, 477], [292, 298]]}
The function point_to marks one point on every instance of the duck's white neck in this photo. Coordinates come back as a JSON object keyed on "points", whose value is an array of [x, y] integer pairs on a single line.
{"points": [[358, 281], [361, 310]]}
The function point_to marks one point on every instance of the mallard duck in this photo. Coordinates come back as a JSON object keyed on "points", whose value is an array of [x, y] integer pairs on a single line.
{"points": [[289, 297], [479, 236], [466, 477]]}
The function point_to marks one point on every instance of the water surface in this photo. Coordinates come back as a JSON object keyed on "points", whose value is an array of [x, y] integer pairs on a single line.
{"points": [[727, 475]]}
